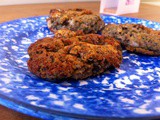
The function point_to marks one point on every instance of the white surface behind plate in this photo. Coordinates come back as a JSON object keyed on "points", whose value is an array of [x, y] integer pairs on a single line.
{"points": [[14, 2], [8, 2]]}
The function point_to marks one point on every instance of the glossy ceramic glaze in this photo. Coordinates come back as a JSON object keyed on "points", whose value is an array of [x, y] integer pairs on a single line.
{"points": [[132, 91]]}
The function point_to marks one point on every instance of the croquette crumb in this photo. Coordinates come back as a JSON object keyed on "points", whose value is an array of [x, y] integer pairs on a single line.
{"points": [[76, 57]]}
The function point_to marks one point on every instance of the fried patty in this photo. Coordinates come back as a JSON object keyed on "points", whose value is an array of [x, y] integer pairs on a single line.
{"points": [[74, 19], [135, 37], [76, 57]]}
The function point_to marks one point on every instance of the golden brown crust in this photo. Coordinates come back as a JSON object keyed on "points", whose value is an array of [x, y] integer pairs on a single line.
{"points": [[76, 57], [66, 33], [140, 50]]}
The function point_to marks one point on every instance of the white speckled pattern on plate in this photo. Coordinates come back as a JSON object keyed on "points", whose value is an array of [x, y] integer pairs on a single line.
{"points": [[133, 91]]}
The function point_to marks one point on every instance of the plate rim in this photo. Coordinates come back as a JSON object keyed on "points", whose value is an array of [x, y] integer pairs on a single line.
{"points": [[57, 112]]}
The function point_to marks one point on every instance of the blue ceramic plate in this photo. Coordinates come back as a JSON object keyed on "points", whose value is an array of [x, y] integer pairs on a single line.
{"points": [[132, 91]]}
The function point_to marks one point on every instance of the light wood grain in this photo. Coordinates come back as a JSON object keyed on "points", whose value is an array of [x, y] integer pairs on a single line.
{"points": [[8, 13], [8, 114], [148, 12], [149, 0]]}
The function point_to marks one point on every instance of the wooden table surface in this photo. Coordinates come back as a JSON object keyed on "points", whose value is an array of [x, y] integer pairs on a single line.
{"points": [[8, 13]]}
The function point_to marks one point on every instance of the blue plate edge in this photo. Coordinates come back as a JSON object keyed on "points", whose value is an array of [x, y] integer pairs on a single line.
{"points": [[2, 100]]}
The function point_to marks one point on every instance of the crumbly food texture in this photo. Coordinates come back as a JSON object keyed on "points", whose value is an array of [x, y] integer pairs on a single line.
{"points": [[76, 57], [75, 19], [135, 37]]}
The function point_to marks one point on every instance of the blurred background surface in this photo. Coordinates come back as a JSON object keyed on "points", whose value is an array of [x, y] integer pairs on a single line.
{"points": [[14, 2]]}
